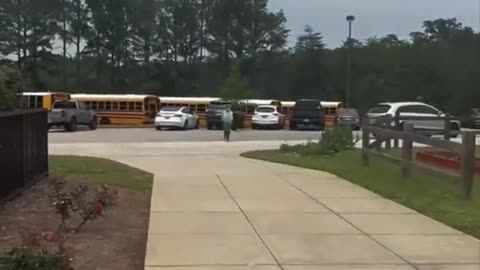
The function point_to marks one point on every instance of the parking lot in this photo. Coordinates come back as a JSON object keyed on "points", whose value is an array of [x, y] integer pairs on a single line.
{"points": [[115, 135]]}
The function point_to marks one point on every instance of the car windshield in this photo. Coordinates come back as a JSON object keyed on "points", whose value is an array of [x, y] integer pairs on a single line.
{"points": [[170, 109], [65, 105], [265, 110], [347, 112], [380, 109]]}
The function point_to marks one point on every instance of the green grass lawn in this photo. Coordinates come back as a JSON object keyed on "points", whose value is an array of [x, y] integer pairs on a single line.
{"points": [[101, 171], [435, 198]]}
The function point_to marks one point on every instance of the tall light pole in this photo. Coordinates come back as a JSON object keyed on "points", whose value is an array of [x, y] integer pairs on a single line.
{"points": [[350, 20]]}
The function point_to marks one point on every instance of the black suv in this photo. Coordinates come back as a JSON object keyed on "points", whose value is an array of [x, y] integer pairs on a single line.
{"points": [[214, 114], [307, 113]]}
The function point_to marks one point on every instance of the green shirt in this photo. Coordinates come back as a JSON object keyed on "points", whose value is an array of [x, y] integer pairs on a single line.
{"points": [[227, 117]]}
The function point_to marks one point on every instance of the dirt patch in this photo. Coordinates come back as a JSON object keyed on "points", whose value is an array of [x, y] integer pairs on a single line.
{"points": [[117, 242]]}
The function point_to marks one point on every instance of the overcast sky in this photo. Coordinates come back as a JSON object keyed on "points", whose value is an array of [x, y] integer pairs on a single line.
{"points": [[373, 17]]}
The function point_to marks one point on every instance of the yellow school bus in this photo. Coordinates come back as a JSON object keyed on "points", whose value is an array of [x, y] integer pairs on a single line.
{"points": [[122, 109], [196, 104], [331, 107], [38, 100]]}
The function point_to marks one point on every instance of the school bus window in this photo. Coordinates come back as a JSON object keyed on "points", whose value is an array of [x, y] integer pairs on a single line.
{"points": [[131, 106], [201, 107], [101, 105], [115, 105], [138, 106], [123, 106], [94, 105], [333, 111], [31, 102], [108, 105]]}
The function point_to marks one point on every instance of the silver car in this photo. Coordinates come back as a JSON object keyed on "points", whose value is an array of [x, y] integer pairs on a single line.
{"points": [[414, 109]]}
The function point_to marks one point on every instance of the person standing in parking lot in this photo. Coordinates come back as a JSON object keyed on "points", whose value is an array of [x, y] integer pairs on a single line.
{"points": [[227, 118]]}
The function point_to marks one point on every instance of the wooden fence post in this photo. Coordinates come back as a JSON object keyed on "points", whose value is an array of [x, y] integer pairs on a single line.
{"points": [[396, 145], [407, 152], [468, 163], [365, 144], [388, 140], [447, 127]]}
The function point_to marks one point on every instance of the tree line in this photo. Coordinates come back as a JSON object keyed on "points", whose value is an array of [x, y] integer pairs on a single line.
{"points": [[230, 48]]}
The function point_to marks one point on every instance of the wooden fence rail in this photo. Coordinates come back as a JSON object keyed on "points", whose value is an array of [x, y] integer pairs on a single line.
{"points": [[384, 133]]}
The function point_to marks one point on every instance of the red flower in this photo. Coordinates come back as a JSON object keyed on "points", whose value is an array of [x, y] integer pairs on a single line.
{"points": [[98, 208]]}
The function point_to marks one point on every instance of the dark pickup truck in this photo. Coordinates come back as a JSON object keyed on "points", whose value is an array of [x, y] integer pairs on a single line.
{"points": [[307, 113], [214, 114]]}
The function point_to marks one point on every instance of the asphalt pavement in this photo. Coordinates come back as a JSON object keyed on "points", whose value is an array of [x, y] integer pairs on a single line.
{"points": [[129, 135]]}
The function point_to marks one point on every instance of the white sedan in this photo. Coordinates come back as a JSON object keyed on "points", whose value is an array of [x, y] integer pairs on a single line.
{"points": [[176, 117]]}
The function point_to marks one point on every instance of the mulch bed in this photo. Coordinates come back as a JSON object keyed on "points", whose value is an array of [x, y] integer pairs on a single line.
{"points": [[116, 242]]}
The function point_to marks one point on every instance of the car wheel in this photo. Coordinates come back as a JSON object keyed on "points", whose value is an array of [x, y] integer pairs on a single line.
{"points": [[159, 128], [209, 126], [185, 125], [72, 126], [254, 126], [93, 125]]}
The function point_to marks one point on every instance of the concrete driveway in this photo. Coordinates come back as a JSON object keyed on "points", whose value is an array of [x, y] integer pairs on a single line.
{"points": [[212, 209]]}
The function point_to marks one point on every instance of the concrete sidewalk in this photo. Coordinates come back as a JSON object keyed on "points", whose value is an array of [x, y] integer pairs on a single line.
{"points": [[212, 209]]}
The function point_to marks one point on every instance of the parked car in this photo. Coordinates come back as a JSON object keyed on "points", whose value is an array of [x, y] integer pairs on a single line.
{"points": [[348, 118], [415, 109], [471, 120], [307, 113], [70, 113], [214, 114], [268, 116], [176, 117]]}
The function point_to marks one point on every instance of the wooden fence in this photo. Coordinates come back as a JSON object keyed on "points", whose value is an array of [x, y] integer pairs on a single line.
{"points": [[23, 149], [383, 133]]}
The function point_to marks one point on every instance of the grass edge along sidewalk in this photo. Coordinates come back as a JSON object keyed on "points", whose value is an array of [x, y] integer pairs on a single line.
{"points": [[101, 171], [436, 198]]}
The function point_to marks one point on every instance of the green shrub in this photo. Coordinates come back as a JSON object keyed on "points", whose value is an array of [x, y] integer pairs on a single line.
{"points": [[20, 259], [336, 140], [333, 141]]}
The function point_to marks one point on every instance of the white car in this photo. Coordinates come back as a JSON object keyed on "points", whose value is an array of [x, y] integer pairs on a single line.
{"points": [[268, 116], [415, 109], [176, 117]]}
